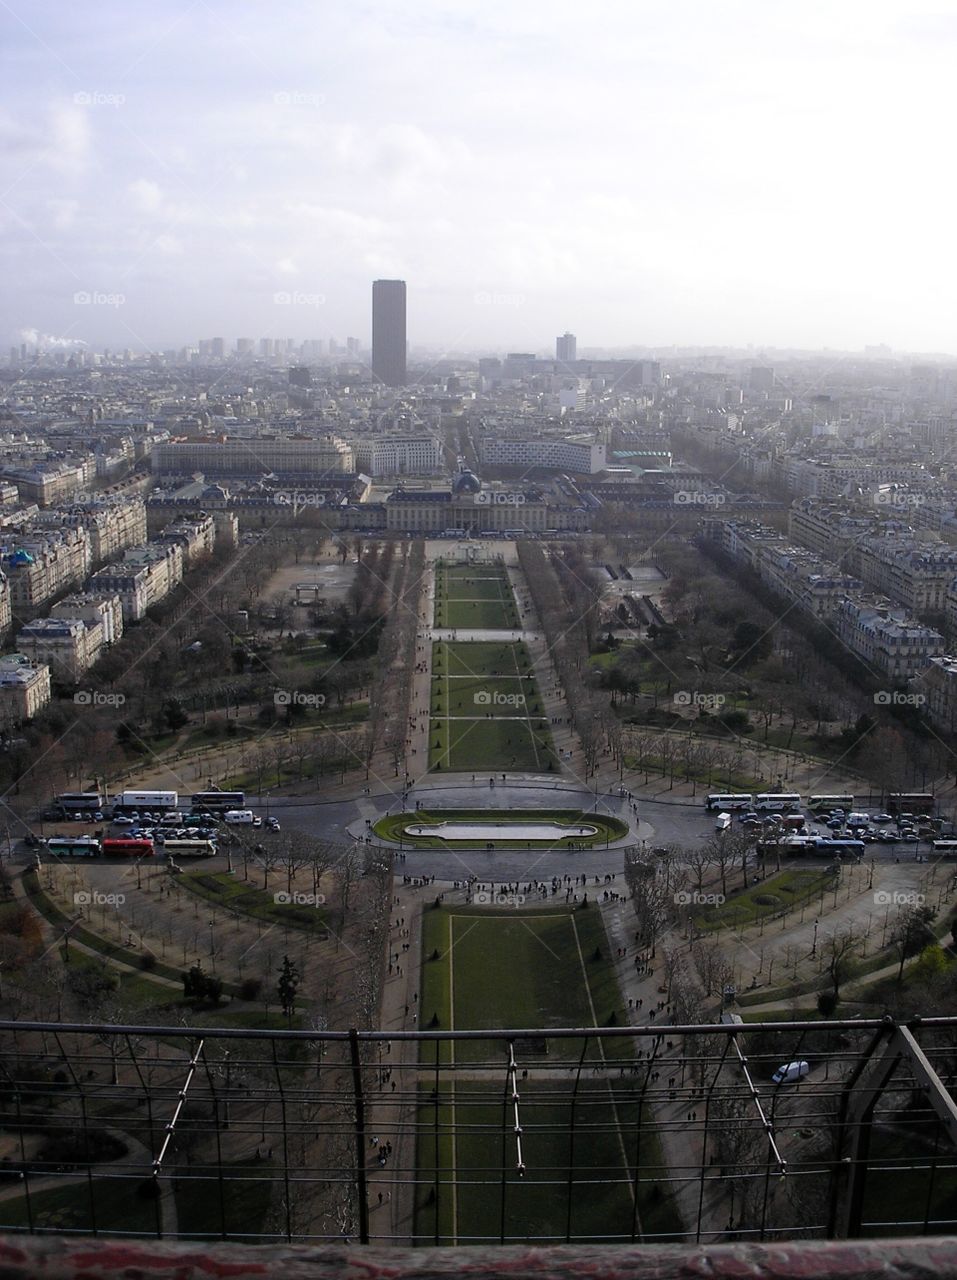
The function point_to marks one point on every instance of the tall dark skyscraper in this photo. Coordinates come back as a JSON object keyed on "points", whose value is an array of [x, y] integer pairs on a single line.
{"points": [[388, 331]]}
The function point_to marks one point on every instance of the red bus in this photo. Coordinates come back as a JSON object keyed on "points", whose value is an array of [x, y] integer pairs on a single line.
{"points": [[120, 848]]}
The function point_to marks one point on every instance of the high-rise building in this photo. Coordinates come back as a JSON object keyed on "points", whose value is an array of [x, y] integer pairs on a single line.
{"points": [[352, 346], [217, 348], [388, 331], [566, 348]]}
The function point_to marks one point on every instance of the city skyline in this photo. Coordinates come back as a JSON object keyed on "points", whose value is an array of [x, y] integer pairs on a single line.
{"points": [[705, 178]]}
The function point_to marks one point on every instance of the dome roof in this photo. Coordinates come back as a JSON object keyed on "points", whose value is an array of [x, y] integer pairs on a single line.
{"points": [[467, 482]]}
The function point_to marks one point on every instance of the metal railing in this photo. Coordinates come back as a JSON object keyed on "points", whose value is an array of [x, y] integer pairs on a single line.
{"points": [[651, 1135]]}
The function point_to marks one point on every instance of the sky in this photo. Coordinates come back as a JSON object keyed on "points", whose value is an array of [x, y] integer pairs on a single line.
{"points": [[751, 172]]}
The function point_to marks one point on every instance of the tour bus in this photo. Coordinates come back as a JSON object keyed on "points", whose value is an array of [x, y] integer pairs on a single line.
{"points": [[190, 849], [946, 848], [117, 847], [839, 848], [742, 801], [79, 802], [910, 802], [825, 804], [73, 846], [777, 801], [218, 801]]}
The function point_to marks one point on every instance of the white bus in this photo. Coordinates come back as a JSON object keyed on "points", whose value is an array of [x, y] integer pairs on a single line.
{"points": [[777, 801], [946, 848], [741, 801], [189, 849], [824, 804]]}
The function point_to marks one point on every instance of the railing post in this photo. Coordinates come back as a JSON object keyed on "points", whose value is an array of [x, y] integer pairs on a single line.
{"points": [[360, 1137]]}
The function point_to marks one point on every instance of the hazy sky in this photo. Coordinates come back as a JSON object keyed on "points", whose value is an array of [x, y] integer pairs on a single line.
{"points": [[689, 172]]}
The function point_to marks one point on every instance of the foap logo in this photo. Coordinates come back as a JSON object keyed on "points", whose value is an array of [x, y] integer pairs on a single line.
{"points": [[484, 298], [692, 898], [298, 98], [294, 298], [704, 701], [900, 501], [486, 698], [484, 899], [297, 498], [94, 298], [297, 899], [895, 898], [295, 698], [487, 499], [96, 98], [93, 898], [894, 698], [691, 498], [93, 698]]}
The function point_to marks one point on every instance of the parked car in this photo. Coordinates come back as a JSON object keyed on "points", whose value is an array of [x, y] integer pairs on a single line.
{"points": [[273, 824], [882, 817], [122, 821], [791, 1072]]}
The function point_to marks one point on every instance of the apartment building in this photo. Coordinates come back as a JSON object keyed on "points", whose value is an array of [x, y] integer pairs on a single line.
{"points": [[938, 684], [254, 456], [913, 574], [68, 646], [393, 455], [196, 534], [112, 524], [39, 567], [24, 689], [890, 642], [48, 483], [103, 609], [145, 576]]}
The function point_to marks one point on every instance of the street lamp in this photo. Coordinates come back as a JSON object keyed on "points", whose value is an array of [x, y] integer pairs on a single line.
{"points": [[814, 943]]}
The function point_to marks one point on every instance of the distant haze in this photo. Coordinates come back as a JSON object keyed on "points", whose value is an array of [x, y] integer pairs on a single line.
{"points": [[690, 172]]}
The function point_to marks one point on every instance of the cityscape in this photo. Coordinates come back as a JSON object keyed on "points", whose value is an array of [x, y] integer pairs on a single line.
{"points": [[457, 798]]}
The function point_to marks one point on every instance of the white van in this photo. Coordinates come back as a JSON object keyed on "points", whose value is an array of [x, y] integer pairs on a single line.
{"points": [[723, 822], [238, 817], [790, 1072]]}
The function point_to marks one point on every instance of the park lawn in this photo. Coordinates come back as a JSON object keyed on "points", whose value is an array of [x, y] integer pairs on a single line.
{"points": [[249, 900], [238, 1209], [106, 1204], [476, 615], [530, 967], [579, 1167], [474, 586], [480, 658], [496, 745], [781, 892], [482, 695], [516, 967]]}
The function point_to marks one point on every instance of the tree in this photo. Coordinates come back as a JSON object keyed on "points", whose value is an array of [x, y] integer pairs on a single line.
{"points": [[199, 985], [838, 949], [913, 933], [288, 986]]}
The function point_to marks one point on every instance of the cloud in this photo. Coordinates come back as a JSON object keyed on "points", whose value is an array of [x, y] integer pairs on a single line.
{"points": [[146, 196]]}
